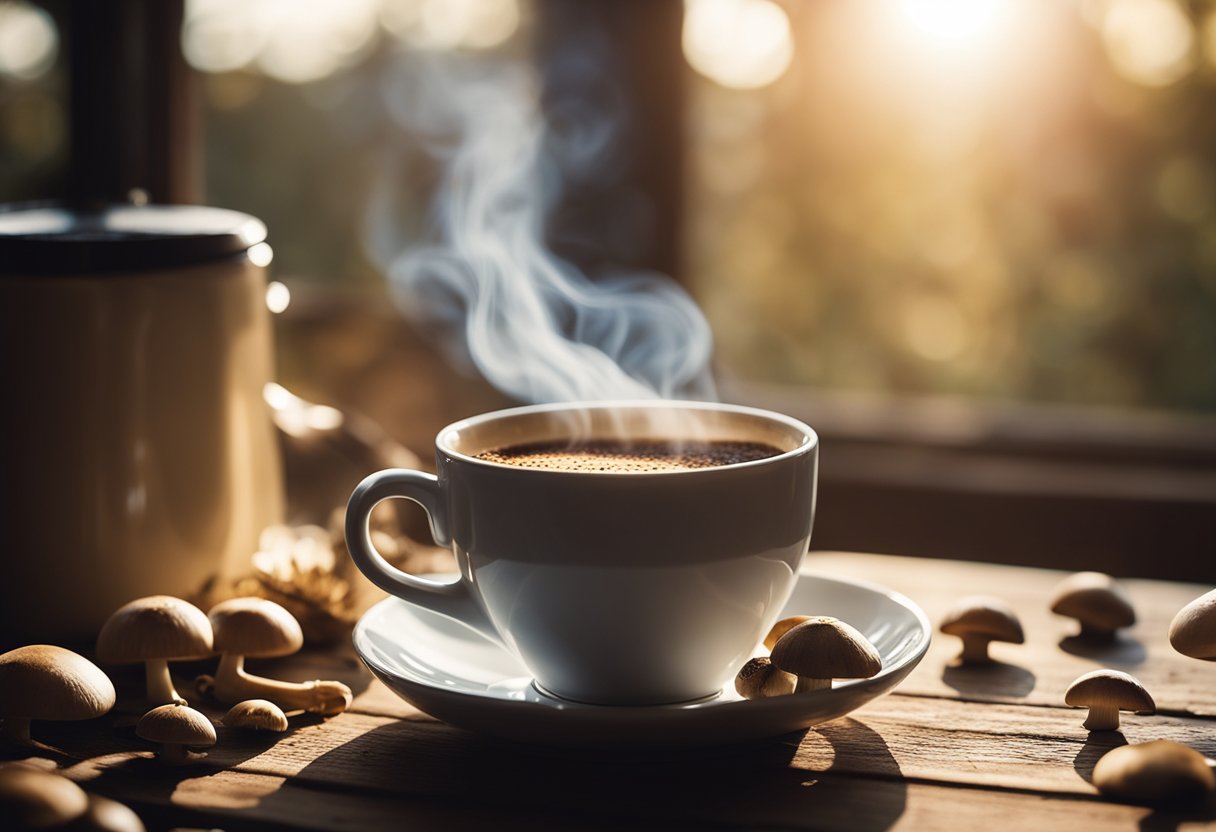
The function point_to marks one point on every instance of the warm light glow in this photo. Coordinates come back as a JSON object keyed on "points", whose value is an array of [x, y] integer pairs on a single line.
{"points": [[955, 23], [741, 44], [474, 24], [28, 41], [298, 417], [934, 328], [292, 40], [1150, 42], [278, 297]]}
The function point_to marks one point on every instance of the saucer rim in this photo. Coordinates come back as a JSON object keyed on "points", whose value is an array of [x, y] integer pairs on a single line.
{"points": [[843, 690]]}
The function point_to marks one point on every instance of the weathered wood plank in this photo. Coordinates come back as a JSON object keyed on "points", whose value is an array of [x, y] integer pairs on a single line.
{"points": [[1040, 670], [925, 739], [733, 798]]}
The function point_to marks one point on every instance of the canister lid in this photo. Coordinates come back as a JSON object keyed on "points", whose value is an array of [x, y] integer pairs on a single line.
{"points": [[41, 239]]}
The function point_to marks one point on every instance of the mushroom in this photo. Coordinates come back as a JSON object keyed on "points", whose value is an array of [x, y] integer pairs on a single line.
{"points": [[105, 815], [759, 679], [176, 727], [41, 681], [155, 630], [978, 620], [821, 649], [1193, 630], [261, 628], [257, 715], [34, 799], [1106, 692], [781, 628], [1159, 772], [1095, 600]]}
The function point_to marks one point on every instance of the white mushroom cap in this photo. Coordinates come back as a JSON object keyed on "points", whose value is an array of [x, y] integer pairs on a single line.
{"points": [[759, 679], [255, 627], [824, 648], [980, 619], [1193, 630], [257, 714], [176, 725], [1105, 693], [156, 627], [781, 628], [42, 681], [1095, 600], [1158, 772], [34, 799]]}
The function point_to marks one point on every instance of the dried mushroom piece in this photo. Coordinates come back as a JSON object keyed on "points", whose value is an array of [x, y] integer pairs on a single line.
{"points": [[781, 628], [822, 649], [105, 815], [1160, 772], [759, 679], [177, 728], [42, 681], [1105, 693], [1097, 601], [260, 628], [979, 620], [256, 715], [155, 630], [1193, 630]]}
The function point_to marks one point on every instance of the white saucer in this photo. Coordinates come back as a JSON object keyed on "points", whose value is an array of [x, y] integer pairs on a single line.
{"points": [[456, 675]]}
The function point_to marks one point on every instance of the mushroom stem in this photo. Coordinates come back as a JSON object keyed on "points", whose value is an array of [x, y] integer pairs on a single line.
{"points": [[174, 754], [233, 684], [1102, 718], [975, 649], [806, 683], [160, 684], [1095, 634], [16, 730]]}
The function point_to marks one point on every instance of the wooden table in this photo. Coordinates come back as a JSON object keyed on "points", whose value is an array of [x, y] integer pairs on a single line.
{"points": [[951, 749]]}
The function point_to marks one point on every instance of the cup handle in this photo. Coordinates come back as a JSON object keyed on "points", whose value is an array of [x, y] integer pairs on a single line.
{"points": [[454, 599]]}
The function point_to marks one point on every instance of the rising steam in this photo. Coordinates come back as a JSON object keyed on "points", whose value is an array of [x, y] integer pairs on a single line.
{"points": [[536, 327]]}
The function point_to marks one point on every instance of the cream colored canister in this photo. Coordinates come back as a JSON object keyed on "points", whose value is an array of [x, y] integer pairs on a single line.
{"points": [[139, 456]]}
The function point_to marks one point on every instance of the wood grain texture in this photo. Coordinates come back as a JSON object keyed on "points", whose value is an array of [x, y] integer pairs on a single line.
{"points": [[991, 747]]}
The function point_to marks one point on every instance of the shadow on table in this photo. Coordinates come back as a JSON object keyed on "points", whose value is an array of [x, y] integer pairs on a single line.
{"points": [[1095, 748], [1170, 819], [1123, 651], [796, 781], [995, 679]]}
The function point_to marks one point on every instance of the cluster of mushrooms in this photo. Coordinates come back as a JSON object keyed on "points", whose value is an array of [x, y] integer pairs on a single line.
{"points": [[46, 682], [1150, 772], [807, 652]]}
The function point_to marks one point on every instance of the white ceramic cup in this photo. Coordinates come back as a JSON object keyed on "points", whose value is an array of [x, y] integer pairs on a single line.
{"points": [[612, 588]]}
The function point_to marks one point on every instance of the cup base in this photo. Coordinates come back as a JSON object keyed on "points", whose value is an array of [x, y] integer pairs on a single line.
{"points": [[543, 691]]}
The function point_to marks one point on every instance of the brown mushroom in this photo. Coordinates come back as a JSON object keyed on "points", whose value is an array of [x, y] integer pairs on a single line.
{"points": [[759, 679], [261, 628], [256, 715], [34, 799], [1105, 693], [821, 649], [155, 630], [177, 728], [1161, 772], [979, 620], [41, 681], [1193, 630], [781, 628], [1096, 601], [105, 815]]}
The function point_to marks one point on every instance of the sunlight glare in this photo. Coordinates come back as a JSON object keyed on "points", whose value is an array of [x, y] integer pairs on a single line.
{"points": [[1150, 42], [955, 22], [740, 44]]}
